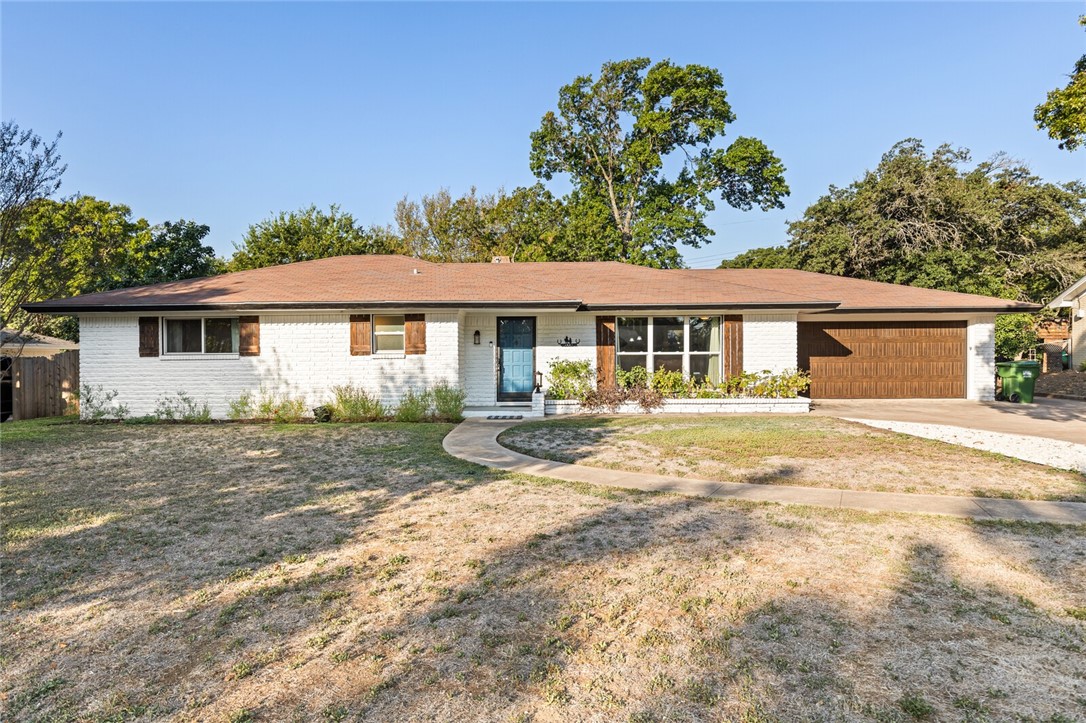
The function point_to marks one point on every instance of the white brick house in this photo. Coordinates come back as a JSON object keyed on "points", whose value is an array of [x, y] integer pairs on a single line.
{"points": [[392, 323]]}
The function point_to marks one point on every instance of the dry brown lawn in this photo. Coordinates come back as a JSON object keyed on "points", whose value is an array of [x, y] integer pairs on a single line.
{"points": [[791, 450], [233, 573]]}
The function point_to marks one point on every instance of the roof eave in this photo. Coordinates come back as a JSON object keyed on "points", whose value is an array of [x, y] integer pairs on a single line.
{"points": [[47, 307], [733, 305], [1018, 308]]}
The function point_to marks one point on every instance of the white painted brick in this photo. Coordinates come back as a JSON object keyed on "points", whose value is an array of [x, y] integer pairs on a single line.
{"points": [[980, 361], [769, 342]]}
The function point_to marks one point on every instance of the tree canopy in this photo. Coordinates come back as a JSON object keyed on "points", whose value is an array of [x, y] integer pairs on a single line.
{"points": [[931, 220], [1063, 114], [614, 137], [307, 234]]}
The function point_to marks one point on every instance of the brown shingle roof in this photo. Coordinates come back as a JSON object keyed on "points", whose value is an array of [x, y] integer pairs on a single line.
{"points": [[399, 281]]}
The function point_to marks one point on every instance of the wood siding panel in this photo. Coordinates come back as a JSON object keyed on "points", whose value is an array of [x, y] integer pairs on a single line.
{"points": [[884, 360], [733, 345], [605, 351], [361, 335], [249, 336], [149, 336], [414, 333], [43, 386]]}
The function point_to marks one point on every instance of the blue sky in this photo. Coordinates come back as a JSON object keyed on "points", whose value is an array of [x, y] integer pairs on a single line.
{"points": [[225, 113]]}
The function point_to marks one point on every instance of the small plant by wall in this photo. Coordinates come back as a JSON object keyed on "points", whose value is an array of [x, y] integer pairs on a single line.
{"points": [[448, 402], [569, 379], [181, 408], [352, 403], [95, 403], [267, 406]]}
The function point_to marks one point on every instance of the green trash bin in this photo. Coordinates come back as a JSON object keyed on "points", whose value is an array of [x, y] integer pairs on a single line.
{"points": [[1018, 380]]}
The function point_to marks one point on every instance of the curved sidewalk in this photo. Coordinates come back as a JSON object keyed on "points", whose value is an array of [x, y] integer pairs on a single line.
{"points": [[476, 440]]}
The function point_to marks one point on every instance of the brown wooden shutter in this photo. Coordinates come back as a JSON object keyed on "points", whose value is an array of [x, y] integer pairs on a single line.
{"points": [[149, 336], [249, 335], [605, 351], [361, 335], [733, 345], [414, 333]]}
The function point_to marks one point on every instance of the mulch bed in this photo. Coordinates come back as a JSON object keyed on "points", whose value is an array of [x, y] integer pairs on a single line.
{"points": [[1066, 383]]}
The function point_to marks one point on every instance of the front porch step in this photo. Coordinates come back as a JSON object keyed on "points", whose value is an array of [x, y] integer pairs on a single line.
{"points": [[517, 411]]}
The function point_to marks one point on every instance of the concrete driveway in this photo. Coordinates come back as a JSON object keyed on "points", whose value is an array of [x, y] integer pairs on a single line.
{"points": [[1060, 419]]}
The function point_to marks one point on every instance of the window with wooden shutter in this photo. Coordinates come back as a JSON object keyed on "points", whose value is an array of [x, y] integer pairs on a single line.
{"points": [[414, 333], [149, 337], [361, 335], [605, 351], [249, 335]]}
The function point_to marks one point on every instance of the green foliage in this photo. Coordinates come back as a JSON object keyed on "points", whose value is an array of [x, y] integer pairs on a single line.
{"points": [[667, 383], [570, 379], [1063, 114], [323, 413], [448, 402], [414, 406], [181, 408], [637, 377], [95, 403], [308, 234], [615, 135], [241, 408], [1015, 334], [170, 251], [934, 222], [352, 403]]}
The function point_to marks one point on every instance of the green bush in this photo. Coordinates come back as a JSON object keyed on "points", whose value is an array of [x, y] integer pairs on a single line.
{"points": [[414, 406], [240, 408], [279, 408], [95, 403], [354, 404], [569, 379], [448, 402], [1015, 334], [181, 408], [638, 377], [669, 384]]}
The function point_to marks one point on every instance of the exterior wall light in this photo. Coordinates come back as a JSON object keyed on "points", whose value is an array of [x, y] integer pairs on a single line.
{"points": [[476, 337]]}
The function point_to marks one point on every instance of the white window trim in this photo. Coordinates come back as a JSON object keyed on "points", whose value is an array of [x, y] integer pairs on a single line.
{"points": [[166, 354], [390, 354], [650, 355]]}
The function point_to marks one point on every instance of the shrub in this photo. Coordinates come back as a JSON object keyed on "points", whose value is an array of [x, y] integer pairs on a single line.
{"points": [[414, 406], [570, 379], [96, 403], [448, 402], [667, 383], [636, 377], [181, 408], [1015, 334], [354, 404], [240, 408], [611, 398], [280, 408]]}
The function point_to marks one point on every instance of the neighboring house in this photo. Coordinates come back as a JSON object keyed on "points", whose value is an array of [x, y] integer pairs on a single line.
{"points": [[391, 323], [25, 344], [1073, 300]]}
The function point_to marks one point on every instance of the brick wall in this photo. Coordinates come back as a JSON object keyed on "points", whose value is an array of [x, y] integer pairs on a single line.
{"points": [[769, 342], [300, 354]]}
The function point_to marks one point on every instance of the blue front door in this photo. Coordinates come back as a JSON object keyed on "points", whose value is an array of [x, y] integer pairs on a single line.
{"points": [[516, 367]]}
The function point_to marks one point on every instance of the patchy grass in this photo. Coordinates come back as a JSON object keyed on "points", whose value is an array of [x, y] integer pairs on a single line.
{"points": [[791, 450], [324, 572]]}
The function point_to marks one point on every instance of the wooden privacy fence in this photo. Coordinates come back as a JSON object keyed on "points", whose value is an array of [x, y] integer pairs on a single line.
{"points": [[42, 386]]}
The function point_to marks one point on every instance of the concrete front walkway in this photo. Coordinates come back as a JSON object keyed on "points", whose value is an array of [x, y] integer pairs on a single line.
{"points": [[476, 440]]}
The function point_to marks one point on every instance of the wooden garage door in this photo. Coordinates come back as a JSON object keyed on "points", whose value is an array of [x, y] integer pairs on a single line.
{"points": [[884, 360]]}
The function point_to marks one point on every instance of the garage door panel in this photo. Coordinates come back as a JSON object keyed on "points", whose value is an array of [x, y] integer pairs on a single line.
{"points": [[887, 360]]}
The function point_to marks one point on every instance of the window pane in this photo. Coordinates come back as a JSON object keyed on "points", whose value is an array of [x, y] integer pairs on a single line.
{"points": [[388, 324], [667, 333], [668, 362], [633, 334], [183, 335], [626, 362], [705, 333], [705, 368], [389, 342], [221, 336]]}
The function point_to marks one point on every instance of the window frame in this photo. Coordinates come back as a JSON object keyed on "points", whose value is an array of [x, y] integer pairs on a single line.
{"points": [[164, 323], [402, 333], [650, 341]]}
